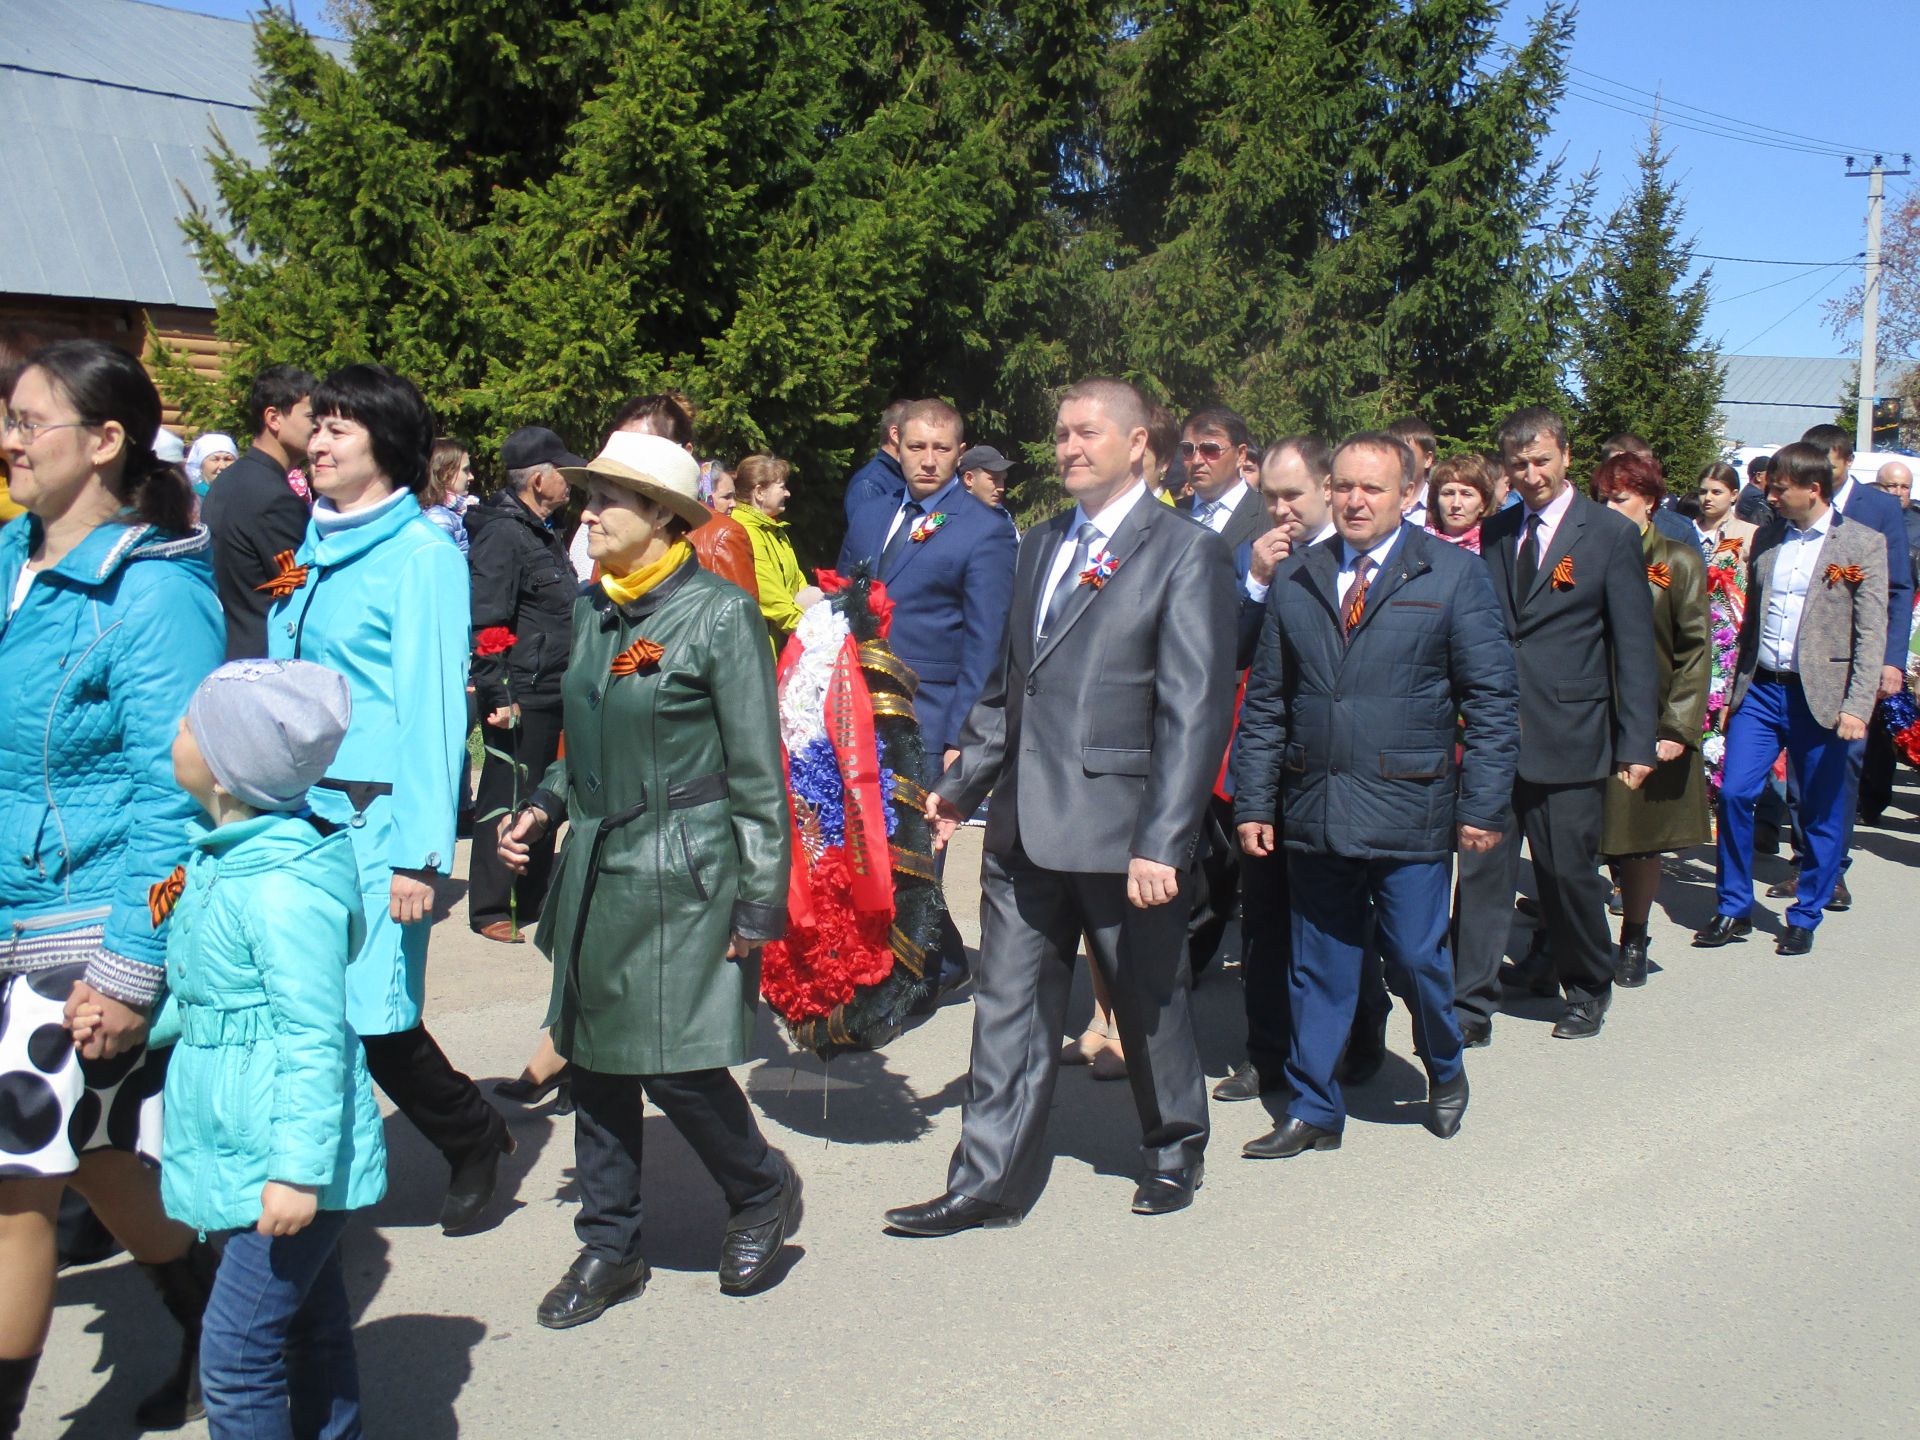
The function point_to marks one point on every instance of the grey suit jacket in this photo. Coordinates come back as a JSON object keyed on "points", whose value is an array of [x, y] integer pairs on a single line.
{"points": [[1249, 518], [1843, 624], [1105, 744]]}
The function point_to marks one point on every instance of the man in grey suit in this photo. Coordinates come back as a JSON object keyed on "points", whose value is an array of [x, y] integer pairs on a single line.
{"points": [[1572, 585], [1099, 736]]}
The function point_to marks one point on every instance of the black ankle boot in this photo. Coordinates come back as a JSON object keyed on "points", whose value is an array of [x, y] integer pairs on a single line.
{"points": [[16, 1379], [1630, 968], [184, 1286]]}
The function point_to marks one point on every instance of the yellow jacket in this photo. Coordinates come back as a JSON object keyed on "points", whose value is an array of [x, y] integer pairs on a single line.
{"points": [[776, 568], [8, 510]]}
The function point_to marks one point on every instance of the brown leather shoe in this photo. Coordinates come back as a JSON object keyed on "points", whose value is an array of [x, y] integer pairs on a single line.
{"points": [[505, 931]]}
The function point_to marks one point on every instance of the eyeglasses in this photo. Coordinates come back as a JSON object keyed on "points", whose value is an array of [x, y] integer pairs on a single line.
{"points": [[30, 430], [1209, 449]]}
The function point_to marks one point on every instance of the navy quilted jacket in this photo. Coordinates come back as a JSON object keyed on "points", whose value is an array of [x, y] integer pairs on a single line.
{"points": [[96, 667]]}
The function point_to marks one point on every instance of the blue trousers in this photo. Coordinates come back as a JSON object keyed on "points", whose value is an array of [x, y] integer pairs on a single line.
{"points": [[1771, 716], [276, 1348], [1332, 899]]}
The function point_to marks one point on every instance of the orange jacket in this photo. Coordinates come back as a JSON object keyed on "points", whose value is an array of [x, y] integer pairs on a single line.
{"points": [[724, 549]]}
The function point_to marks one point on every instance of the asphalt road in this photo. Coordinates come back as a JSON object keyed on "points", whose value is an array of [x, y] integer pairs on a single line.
{"points": [[1704, 1223]]}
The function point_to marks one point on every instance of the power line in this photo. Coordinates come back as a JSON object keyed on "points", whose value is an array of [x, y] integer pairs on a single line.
{"points": [[1742, 349], [1797, 264], [1830, 146], [1803, 275], [1669, 122]]}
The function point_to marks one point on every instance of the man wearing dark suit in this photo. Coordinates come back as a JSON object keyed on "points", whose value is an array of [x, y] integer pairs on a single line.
{"points": [[1379, 650], [1099, 735], [252, 513], [1751, 504], [1572, 586], [947, 563], [1806, 678], [1295, 476], [881, 477]]}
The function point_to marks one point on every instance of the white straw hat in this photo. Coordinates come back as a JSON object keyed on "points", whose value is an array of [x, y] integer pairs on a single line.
{"points": [[648, 465]]}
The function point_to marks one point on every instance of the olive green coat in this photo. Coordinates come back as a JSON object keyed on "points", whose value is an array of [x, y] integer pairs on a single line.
{"points": [[1669, 810], [676, 799]]}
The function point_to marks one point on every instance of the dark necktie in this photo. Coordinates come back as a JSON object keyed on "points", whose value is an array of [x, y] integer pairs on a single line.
{"points": [[1526, 567], [909, 514], [1357, 595], [1070, 581]]}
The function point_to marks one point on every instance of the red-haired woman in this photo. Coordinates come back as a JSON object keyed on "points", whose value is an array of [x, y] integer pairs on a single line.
{"points": [[1669, 811]]}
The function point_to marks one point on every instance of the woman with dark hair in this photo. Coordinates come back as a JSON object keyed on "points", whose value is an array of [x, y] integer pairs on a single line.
{"points": [[1459, 497], [110, 623], [1718, 492], [376, 593], [1727, 543], [1669, 810], [449, 480], [673, 874]]}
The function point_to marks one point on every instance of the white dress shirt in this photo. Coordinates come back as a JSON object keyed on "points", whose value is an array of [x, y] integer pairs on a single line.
{"points": [[1256, 591], [1794, 559], [928, 506], [1349, 561], [1550, 517], [1215, 514], [1104, 524], [1842, 495]]}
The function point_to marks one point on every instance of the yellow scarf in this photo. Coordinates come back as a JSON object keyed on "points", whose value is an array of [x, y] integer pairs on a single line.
{"points": [[625, 589]]}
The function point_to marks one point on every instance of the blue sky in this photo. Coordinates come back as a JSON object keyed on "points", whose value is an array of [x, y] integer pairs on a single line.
{"points": [[1838, 72]]}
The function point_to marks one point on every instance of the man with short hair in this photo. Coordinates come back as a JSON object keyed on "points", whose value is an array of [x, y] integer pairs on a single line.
{"points": [[253, 513], [947, 562], [1572, 586], [1805, 678], [1419, 437], [1362, 764], [1751, 503], [523, 583], [1213, 448], [983, 475], [881, 478], [1098, 736]]}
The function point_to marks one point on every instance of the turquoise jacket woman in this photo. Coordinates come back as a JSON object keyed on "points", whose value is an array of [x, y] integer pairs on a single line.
{"points": [[96, 668], [266, 1082], [384, 601]]}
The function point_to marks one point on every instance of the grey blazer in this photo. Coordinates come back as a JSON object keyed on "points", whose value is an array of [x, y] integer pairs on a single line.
{"points": [[1249, 518], [1105, 744], [1843, 625]]}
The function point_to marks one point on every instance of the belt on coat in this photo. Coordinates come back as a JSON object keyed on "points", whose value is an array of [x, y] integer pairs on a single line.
{"points": [[683, 796], [360, 794], [217, 1025]]}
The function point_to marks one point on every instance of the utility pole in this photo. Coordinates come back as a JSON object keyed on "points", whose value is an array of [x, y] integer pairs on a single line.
{"points": [[1876, 177]]}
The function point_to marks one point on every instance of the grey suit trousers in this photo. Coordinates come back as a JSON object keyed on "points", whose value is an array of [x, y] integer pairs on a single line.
{"points": [[1030, 928]]}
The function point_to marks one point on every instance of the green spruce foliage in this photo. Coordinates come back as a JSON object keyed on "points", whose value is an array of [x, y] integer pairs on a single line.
{"points": [[1643, 365]]}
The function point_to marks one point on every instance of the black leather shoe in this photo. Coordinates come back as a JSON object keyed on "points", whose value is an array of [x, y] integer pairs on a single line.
{"points": [[1290, 1138], [1785, 889], [1476, 1034], [1583, 1019], [1630, 967], [1447, 1106], [1721, 929], [1527, 906], [750, 1249], [1842, 898], [949, 1215], [1161, 1192], [1535, 975], [473, 1183], [1366, 1053], [588, 1288], [1243, 1084], [1795, 940]]}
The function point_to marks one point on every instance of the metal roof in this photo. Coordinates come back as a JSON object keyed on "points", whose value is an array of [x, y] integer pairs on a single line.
{"points": [[1774, 399], [111, 108]]}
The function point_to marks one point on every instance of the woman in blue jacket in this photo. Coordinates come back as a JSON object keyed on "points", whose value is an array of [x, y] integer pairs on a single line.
{"points": [[379, 593], [110, 622]]}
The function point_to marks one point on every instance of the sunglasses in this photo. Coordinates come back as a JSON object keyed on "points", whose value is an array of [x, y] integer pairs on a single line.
{"points": [[1207, 449]]}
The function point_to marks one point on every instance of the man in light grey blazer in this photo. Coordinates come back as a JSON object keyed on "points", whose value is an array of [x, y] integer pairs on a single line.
{"points": [[1099, 736], [1806, 678]]}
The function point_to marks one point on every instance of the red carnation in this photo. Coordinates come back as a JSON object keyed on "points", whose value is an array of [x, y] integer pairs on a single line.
{"points": [[493, 640]]}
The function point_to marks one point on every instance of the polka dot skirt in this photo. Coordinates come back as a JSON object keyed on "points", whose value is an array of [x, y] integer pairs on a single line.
{"points": [[54, 1106]]}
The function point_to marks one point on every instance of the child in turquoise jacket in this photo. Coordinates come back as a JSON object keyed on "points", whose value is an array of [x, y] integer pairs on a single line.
{"points": [[272, 1131]]}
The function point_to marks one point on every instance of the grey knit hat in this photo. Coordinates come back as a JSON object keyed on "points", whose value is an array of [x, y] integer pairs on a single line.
{"points": [[269, 728]]}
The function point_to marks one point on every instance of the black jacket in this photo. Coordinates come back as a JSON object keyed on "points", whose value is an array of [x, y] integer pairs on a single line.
{"points": [[254, 515], [522, 580]]}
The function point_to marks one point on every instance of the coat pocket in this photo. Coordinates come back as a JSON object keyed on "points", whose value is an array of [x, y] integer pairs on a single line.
{"points": [[1293, 759], [1583, 690], [1105, 760], [692, 860], [1413, 764]]}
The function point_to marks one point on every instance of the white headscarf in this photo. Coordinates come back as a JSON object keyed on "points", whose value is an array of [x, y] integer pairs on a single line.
{"points": [[211, 443]]}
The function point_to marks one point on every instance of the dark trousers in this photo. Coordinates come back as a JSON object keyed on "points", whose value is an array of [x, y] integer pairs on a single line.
{"points": [[1333, 897], [1876, 771], [952, 953], [1773, 714], [1031, 920], [533, 743], [276, 1346], [711, 1113], [443, 1104], [1562, 828], [1266, 957], [1483, 925], [1211, 908]]}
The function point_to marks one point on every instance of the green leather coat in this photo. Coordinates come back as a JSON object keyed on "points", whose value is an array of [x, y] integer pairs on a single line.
{"points": [[675, 795]]}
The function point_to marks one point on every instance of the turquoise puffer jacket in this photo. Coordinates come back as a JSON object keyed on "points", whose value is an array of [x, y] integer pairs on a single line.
{"points": [[96, 668], [267, 1081]]}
